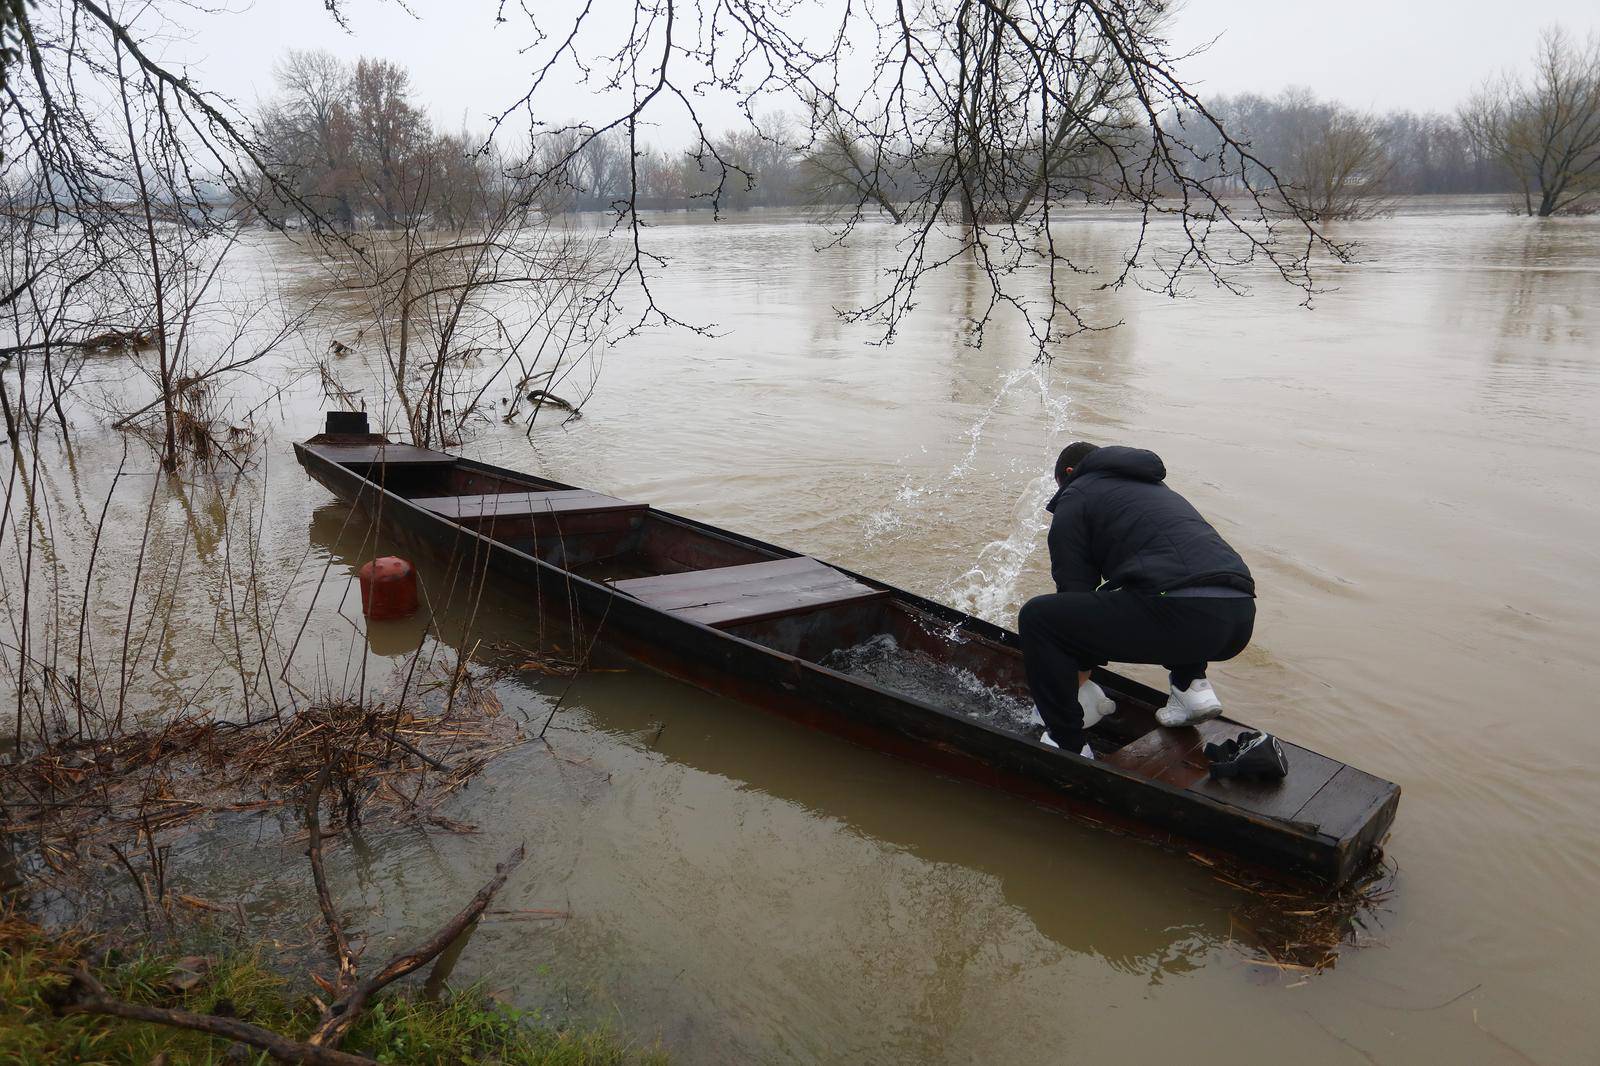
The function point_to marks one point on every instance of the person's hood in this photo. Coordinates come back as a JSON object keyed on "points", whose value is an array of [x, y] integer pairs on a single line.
{"points": [[1115, 460]]}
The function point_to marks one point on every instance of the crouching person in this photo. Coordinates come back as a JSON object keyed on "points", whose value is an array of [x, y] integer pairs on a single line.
{"points": [[1140, 577]]}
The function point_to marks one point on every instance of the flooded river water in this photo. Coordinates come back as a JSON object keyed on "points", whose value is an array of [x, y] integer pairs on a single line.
{"points": [[1411, 471]]}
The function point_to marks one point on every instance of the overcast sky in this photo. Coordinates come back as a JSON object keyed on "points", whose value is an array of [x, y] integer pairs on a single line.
{"points": [[1381, 54]]}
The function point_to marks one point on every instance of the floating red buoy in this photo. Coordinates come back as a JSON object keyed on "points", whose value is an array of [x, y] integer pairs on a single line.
{"points": [[388, 589]]}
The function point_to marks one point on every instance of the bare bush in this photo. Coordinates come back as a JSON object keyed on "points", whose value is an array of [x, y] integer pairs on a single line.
{"points": [[466, 320], [1546, 130]]}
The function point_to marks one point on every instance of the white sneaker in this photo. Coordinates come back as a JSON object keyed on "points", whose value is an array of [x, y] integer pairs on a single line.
{"points": [[1046, 738], [1095, 703], [1037, 722], [1190, 706]]}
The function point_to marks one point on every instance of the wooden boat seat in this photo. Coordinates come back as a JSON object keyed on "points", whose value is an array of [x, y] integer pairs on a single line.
{"points": [[497, 505], [381, 453], [732, 595]]}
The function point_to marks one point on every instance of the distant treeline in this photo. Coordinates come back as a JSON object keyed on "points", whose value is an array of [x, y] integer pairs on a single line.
{"points": [[362, 151], [1299, 136], [1412, 153]]}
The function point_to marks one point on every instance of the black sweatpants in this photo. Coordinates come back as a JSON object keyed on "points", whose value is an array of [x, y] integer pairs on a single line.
{"points": [[1066, 632]]}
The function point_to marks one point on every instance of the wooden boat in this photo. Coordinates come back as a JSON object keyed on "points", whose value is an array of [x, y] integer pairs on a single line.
{"points": [[750, 620]]}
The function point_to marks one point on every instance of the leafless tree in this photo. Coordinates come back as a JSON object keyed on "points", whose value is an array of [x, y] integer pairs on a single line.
{"points": [[1334, 158], [310, 133], [1546, 130], [1342, 170], [118, 175]]}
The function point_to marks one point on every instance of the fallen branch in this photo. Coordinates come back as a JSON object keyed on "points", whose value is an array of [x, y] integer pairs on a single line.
{"points": [[93, 999], [341, 1014], [542, 399], [110, 340], [344, 958]]}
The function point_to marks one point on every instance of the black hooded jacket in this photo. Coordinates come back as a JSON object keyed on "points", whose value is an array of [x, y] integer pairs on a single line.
{"points": [[1115, 520]]}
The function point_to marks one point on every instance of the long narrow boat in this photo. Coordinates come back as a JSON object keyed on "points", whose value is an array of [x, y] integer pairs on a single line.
{"points": [[786, 632]]}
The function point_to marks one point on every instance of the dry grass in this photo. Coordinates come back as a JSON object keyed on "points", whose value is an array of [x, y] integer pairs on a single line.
{"points": [[80, 807], [1301, 930]]}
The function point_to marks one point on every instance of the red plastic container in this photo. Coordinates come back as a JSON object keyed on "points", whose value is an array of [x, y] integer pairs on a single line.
{"points": [[388, 589]]}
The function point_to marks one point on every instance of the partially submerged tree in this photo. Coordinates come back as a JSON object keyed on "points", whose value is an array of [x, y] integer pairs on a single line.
{"points": [[1332, 157], [1546, 130], [1334, 162]]}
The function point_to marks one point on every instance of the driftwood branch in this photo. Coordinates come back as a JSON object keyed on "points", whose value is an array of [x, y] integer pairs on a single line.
{"points": [[342, 1013], [88, 996], [93, 999], [344, 959]]}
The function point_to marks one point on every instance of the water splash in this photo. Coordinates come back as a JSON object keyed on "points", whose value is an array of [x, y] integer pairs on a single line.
{"points": [[884, 662], [890, 521], [990, 589]]}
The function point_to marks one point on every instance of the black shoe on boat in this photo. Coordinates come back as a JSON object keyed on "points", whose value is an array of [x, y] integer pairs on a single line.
{"points": [[1250, 754]]}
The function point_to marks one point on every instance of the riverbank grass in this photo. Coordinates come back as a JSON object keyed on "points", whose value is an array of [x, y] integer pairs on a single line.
{"points": [[458, 1027]]}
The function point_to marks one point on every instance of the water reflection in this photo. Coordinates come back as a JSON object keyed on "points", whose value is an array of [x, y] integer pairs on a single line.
{"points": [[1056, 872]]}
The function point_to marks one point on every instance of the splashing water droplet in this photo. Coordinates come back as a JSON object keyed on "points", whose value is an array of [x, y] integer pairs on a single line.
{"points": [[990, 588], [890, 521]]}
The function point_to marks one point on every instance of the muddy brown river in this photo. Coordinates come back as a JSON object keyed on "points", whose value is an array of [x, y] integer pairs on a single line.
{"points": [[1410, 468]]}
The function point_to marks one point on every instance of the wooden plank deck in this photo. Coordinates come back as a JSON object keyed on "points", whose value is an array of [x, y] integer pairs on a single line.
{"points": [[522, 504], [1176, 757], [391, 454], [1347, 803], [1173, 756], [731, 595]]}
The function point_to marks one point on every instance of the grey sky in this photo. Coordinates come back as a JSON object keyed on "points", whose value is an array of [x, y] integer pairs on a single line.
{"points": [[1418, 54]]}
